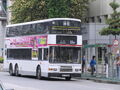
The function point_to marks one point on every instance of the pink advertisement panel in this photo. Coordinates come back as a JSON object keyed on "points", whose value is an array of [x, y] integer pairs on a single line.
{"points": [[27, 41]]}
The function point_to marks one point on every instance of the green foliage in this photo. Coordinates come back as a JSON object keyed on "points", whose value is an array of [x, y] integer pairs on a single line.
{"points": [[114, 5], [57, 8], [30, 10], [79, 9], [1, 59], [113, 21], [68, 8]]}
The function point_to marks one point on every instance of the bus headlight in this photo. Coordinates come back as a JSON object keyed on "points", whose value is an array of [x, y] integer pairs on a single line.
{"points": [[52, 69]]}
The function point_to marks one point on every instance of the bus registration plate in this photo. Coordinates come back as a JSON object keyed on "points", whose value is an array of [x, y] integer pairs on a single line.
{"points": [[65, 75]]}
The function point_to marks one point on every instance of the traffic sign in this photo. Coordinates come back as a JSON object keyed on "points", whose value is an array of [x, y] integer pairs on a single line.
{"points": [[115, 42]]}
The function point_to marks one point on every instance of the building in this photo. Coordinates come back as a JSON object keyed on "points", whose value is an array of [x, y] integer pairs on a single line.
{"points": [[94, 43], [99, 11], [3, 21]]}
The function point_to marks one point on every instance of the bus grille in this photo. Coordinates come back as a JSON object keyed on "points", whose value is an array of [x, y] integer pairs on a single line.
{"points": [[66, 69]]}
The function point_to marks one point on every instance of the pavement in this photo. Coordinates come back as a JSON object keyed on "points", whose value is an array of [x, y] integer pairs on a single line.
{"points": [[100, 79]]}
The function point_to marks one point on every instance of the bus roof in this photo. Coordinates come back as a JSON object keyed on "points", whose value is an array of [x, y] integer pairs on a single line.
{"points": [[41, 21]]}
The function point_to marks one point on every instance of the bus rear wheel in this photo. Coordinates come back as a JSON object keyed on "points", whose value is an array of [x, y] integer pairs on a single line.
{"points": [[38, 73], [67, 78], [11, 70], [16, 70]]}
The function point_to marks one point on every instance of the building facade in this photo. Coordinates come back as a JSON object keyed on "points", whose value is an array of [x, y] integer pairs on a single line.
{"points": [[95, 44], [100, 10]]}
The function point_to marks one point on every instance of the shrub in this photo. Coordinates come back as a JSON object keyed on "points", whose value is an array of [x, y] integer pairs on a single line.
{"points": [[1, 59]]}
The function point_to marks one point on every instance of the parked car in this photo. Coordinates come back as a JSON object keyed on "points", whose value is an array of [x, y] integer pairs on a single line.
{"points": [[2, 87]]}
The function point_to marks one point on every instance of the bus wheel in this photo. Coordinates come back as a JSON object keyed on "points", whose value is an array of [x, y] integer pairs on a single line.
{"points": [[16, 70], [11, 70], [67, 78], [38, 73]]}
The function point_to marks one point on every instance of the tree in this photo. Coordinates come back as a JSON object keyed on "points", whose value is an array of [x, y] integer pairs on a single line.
{"points": [[113, 21], [79, 9], [28, 10], [68, 8], [57, 8]]}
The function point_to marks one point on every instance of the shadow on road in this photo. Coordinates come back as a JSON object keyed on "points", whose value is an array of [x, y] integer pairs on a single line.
{"points": [[45, 79]]}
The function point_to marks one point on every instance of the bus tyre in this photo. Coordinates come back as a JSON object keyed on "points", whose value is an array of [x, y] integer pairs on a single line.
{"points": [[38, 73], [16, 70], [67, 78], [11, 70]]}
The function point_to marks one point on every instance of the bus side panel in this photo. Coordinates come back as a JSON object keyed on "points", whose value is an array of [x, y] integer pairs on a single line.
{"points": [[44, 68], [28, 67]]}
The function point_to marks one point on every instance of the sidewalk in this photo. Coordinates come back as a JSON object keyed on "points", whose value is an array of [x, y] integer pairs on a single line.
{"points": [[100, 79]]}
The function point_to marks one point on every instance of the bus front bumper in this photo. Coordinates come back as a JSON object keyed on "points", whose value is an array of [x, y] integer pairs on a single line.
{"points": [[64, 74]]}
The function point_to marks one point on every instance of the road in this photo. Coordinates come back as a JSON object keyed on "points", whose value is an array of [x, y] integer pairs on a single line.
{"points": [[30, 83]]}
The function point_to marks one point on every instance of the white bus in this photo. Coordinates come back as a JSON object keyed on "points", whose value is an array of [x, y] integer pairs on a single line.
{"points": [[44, 48]]}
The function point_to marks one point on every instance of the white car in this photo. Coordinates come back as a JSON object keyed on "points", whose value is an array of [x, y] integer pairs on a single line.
{"points": [[2, 87]]}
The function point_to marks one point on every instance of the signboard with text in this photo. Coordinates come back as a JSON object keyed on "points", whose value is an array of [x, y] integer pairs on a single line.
{"points": [[27, 41]]}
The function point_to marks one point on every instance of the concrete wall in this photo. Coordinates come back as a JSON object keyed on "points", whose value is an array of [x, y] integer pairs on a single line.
{"points": [[91, 36], [92, 33], [100, 9]]}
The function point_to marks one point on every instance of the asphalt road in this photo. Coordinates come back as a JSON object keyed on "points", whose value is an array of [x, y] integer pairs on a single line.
{"points": [[31, 83]]}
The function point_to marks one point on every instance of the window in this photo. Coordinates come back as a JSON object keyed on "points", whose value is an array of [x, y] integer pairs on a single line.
{"points": [[24, 29], [105, 17], [92, 19], [64, 23], [24, 54], [45, 54], [30, 29], [66, 40], [68, 23], [40, 54], [65, 27], [1, 88], [65, 55], [7, 32], [53, 22], [99, 19]]}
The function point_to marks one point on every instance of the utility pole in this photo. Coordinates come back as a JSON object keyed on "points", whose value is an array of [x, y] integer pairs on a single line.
{"points": [[3, 22]]}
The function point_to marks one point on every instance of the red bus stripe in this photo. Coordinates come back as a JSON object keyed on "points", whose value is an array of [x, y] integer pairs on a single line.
{"points": [[63, 45]]}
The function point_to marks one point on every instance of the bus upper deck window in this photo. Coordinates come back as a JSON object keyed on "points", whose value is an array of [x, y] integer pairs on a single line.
{"points": [[53, 22], [68, 23], [64, 23]]}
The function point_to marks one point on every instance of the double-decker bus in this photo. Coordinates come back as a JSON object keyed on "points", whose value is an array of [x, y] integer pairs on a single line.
{"points": [[44, 48]]}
